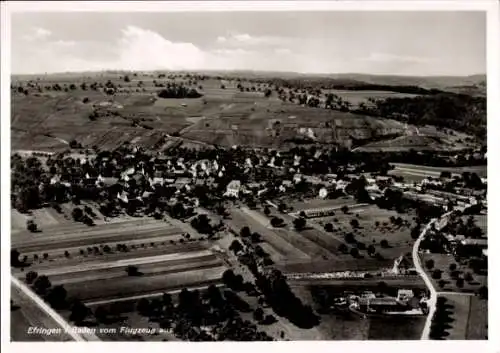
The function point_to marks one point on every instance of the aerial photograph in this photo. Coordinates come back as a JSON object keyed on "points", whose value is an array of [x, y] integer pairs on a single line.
{"points": [[248, 176]]}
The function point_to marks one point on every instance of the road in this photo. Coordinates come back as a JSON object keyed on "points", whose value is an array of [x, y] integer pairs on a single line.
{"points": [[41, 313], [431, 303]]}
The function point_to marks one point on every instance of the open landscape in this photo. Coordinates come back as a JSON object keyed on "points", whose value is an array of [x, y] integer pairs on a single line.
{"points": [[224, 190]]}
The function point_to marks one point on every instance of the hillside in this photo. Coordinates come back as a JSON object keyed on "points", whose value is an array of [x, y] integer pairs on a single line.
{"points": [[51, 112]]}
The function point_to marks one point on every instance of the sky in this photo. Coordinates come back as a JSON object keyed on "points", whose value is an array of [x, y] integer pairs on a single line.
{"points": [[412, 43]]}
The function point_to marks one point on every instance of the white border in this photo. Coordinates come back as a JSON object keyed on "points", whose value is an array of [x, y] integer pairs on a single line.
{"points": [[493, 35]]}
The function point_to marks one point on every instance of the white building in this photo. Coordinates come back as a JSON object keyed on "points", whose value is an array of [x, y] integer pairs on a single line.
{"points": [[323, 193], [233, 188]]}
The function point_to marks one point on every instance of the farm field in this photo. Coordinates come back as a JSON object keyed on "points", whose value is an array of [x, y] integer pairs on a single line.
{"points": [[368, 232], [289, 234], [81, 235], [239, 219], [406, 282], [357, 97], [460, 307], [404, 143], [435, 172], [102, 289], [442, 262], [320, 203], [477, 326], [396, 328]]}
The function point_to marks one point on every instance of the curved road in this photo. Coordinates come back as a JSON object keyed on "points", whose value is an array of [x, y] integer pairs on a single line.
{"points": [[421, 271]]}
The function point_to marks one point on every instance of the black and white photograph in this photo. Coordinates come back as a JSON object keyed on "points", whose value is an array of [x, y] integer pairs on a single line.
{"points": [[290, 174]]}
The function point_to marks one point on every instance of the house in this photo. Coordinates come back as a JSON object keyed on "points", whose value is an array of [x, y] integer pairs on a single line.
{"points": [[156, 181], [297, 178], [323, 193], [182, 182], [55, 179], [233, 188], [108, 181], [404, 294], [401, 265]]}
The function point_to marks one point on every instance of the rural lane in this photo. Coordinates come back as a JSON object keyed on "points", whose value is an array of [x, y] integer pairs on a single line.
{"points": [[431, 303]]}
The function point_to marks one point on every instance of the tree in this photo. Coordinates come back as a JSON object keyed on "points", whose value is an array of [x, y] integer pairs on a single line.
{"points": [[415, 232], [31, 276], [14, 258], [276, 222], [77, 214], [460, 282], [453, 267], [258, 314], [236, 246], [79, 311], [483, 292], [143, 306], [343, 248], [384, 243], [345, 209], [299, 223], [31, 226], [328, 227], [354, 223], [245, 232], [126, 78], [255, 237], [441, 283], [41, 284], [132, 270], [382, 287], [354, 252], [101, 314], [371, 250], [429, 264], [57, 297], [436, 274], [468, 277], [350, 238], [66, 253], [267, 211]]}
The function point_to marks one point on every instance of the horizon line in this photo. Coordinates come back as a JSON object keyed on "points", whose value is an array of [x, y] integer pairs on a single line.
{"points": [[242, 71]]}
